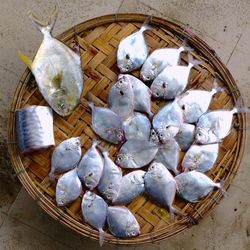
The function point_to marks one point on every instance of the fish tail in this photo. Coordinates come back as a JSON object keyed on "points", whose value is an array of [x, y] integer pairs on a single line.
{"points": [[185, 46], [25, 59], [192, 62], [216, 88], [52, 176], [101, 236], [147, 24], [177, 211], [239, 106], [95, 142], [91, 104]]}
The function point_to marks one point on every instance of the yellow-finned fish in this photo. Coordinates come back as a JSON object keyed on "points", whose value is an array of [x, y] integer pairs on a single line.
{"points": [[57, 69]]}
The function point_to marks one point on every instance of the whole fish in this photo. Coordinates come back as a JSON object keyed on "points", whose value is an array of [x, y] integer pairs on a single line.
{"points": [[34, 128], [167, 121], [185, 136], [132, 185], [195, 103], [193, 185], [68, 188], [137, 127], [121, 98], [90, 167], [122, 223], [172, 80], [94, 210], [200, 157], [65, 156], [132, 50], [161, 186], [159, 59], [214, 126], [109, 184], [136, 154], [107, 124], [168, 155], [57, 69]]}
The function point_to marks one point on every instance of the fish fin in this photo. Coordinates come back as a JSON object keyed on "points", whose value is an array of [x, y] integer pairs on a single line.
{"points": [[57, 80], [185, 46], [216, 88], [239, 106], [192, 62], [147, 24], [25, 59], [91, 104], [52, 176], [101, 236]]}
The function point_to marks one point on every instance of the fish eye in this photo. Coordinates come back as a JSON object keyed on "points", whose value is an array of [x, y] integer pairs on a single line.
{"points": [[152, 132], [127, 67], [157, 94], [133, 233], [183, 107], [90, 174], [121, 92], [148, 78], [164, 85], [127, 56], [168, 126]]}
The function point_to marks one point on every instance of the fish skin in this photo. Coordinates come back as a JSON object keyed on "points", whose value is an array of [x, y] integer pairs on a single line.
{"points": [[200, 157], [132, 185], [94, 210], [109, 184], [122, 223], [65, 156], [57, 70], [107, 124], [132, 50], [68, 188], [90, 167], [185, 136]]}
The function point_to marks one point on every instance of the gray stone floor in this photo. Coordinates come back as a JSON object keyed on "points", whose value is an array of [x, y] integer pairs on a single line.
{"points": [[224, 25]]}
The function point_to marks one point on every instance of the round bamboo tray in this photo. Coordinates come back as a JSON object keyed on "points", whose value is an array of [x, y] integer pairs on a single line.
{"points": [[98, 39]]}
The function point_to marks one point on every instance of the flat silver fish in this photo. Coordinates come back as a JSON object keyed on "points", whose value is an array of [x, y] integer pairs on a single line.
{"points": [[200, 157], [132, 50], [68, 188], [109, 184], [34, 128], [94, 210], [122, 223], [90, 167], [185, 136], [107, 124], [57, 69], [132, 185]]}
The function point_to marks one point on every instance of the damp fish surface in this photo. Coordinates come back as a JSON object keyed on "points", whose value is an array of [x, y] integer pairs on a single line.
{"points": [[57, 69], [94, 210], [132, 50], [122, 223], [65, 156], [185, 136]]}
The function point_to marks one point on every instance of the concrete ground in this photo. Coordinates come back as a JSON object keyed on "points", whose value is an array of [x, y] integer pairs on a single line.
{"points": [[224, 25]]}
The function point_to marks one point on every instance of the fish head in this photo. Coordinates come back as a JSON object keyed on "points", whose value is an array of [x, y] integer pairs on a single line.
{"points": [[123, 83], [125, 160], [75, 143], [111, 194], [159, 88], [116, 135], [125, 63], [202, 136], [154, 137], [132, 228], [61, 199], [167, 133], [156, 169], [91, 179], [148, 72]]}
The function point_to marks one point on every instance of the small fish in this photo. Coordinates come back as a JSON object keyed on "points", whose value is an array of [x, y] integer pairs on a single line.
{"points": [[34, 128], [137, 127], [90, 167], [57, 69], [68, 188], [200, 157], [109, 184], [65, 156], [107, 124], [195, 103], [185, 136], [159, 59], [168, 155], [214, 126], [172, 80], [167, 121], [122, 223], [121, 98], [94, 210], [132, 51], [132, 185], [136, 154], [193, 185]]}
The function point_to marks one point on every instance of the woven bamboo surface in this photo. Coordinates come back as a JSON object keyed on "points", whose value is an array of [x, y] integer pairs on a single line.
{"points": [[98, 39]]}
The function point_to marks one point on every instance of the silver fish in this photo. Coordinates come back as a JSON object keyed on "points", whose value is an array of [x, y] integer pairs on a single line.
{"points": [[107, 124], [122, 223], [200, 157], [193, 185], [65, 156], [136, 154], [132, 51], [137, 127], [34, 128], [57, 69], [172, 80], [110, 181], [132, 185], [68, 188], [195, 103], [159, 59], [90, 167], [185, 136], [94, 210], [168, 154]]}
